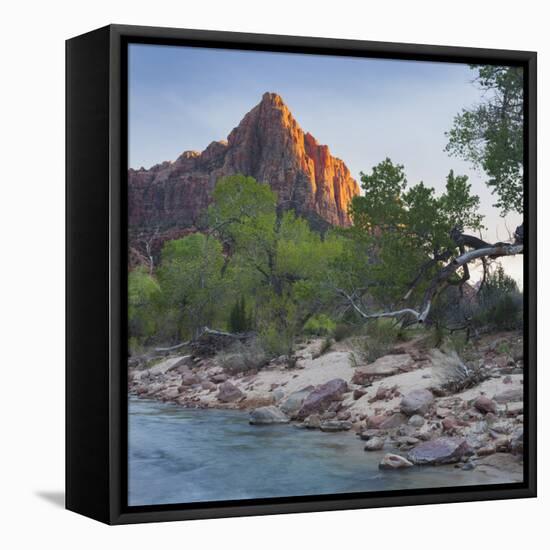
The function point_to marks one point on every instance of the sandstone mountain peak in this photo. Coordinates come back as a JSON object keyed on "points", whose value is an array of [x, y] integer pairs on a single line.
{"points": [[269, 145]]}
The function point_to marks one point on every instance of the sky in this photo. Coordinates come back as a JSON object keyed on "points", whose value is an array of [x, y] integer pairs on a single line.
{"points": [[183, 98]]}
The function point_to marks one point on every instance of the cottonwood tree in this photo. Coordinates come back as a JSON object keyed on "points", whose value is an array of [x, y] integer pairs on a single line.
{"points": [[490, 134], [190, 281], [281, 259], [407, 244], [143, 296]]}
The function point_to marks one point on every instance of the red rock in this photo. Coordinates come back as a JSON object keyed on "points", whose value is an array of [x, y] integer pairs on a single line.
{"points": [[449, 424], [485, 405], [268, 145], [190, 379], [393, 421], [228, 393], [358, 393], [321, 398], [375, 421]]}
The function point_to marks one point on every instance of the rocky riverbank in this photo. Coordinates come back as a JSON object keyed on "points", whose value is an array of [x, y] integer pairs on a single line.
{"points": [[408, 403]]}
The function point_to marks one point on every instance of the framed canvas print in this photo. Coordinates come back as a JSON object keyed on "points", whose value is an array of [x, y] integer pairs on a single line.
{"points": [[301, 274]]}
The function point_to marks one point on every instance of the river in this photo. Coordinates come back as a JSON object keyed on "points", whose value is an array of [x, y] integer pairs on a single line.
{"points": [[179, 455]]}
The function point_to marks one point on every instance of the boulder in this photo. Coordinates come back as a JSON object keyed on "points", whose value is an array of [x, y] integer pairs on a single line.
{"points": [[502, 462], [416, 421], [449, 424], [374, 444], [417, 402], [207, 385], [394, 462], [219, 378], [365, 435], [477, 441], [179, 362], [443, 450], [228, 393], [168, 394], [514, 409], [358, 393], [393, 421], [344, 415], [485, 405], [313, 422], [335, 426], [293, 403], [486, 450], [388, 365], [516, 443], [374, 421], [190, 379], [321, 397], [509, 395], [267, 415]]}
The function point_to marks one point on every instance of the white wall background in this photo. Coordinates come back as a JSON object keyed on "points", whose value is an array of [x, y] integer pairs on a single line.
{"points": [[32, 272]]}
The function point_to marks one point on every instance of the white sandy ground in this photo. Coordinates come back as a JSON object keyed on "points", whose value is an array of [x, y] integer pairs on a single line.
{"points": [[338, 364]]}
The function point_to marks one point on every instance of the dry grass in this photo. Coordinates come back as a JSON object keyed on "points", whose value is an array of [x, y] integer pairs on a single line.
{"points": [[451, 375]]}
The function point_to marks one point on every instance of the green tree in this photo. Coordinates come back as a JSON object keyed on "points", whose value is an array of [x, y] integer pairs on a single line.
{"points": [[401, 235], [143, 296], [239, 319], [282, 259], [490, 134], [190, 279]]}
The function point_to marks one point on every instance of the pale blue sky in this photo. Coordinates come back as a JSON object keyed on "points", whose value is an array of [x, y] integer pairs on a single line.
{"points": [[182, 98]]}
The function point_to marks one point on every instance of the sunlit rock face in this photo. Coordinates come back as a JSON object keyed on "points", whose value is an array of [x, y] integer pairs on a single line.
{"points": [[268, 145]]}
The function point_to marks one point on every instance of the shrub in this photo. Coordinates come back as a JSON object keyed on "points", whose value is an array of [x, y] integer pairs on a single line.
{"points": [[342, 331], [452, 375], [319, 325], [380, 338], [275, 341], [134, 346], [243, 357], [500, 303], [239, 320]]}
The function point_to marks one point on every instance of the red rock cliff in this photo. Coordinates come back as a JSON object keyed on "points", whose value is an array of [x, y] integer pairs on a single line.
{"points": [[268, 145]]}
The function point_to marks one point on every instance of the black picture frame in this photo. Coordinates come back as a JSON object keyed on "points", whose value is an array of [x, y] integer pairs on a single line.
{"points": [[96, 248]]}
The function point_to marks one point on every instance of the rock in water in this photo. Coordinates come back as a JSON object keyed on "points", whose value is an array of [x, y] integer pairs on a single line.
{"points": [[227, 393], [374, 444], [268, 415], [417, 402], [394, 462], [313, 422], [443, 450], [320, 398], [335, 426]]}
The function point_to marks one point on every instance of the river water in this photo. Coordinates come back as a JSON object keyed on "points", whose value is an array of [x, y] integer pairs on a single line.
{"points": [[179, 455]]}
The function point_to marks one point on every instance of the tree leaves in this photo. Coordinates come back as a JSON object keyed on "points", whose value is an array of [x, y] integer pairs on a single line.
{"points": [[490, 135]]}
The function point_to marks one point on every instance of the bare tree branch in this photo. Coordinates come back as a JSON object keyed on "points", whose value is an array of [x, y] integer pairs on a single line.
{"points": [[439, 282]]}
